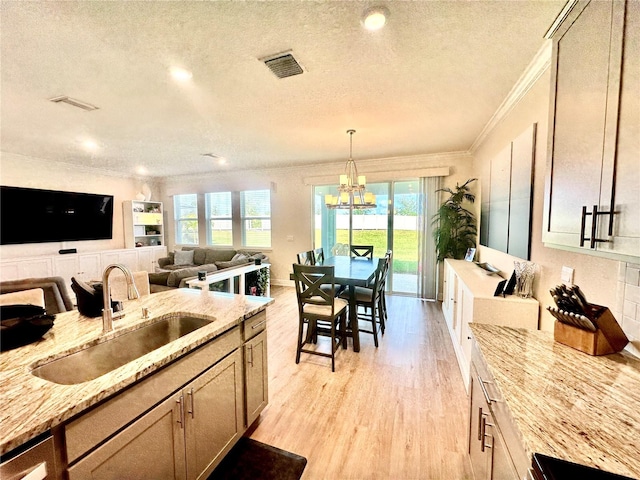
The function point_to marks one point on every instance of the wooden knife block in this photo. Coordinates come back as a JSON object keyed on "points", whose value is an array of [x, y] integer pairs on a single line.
{"points": [[608, 338]]}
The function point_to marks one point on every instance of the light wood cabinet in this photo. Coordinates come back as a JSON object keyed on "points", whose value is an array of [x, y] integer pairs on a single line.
{"points": [[469, 297], [143, 223], [490, 458], [256, 377], [213, 415], [185, 436], [181, 421], [151, 448], [592, 200]]}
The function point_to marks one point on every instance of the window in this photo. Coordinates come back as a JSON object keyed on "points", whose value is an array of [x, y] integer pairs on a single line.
{"points": [[219, 218], [185, 209], [255, 211]]}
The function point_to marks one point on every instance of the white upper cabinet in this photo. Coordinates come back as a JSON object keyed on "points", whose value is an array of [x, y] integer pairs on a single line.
{"points": [[592, 198]]}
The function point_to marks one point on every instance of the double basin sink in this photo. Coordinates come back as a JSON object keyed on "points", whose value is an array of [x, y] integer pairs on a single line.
{"points": [[96, 360]]}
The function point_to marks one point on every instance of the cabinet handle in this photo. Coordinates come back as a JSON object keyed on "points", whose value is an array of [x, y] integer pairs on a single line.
{"points": [[583, 221], [258, 325], [180, 402], [483, 426], [594, 224], [250, 360], [485, 435], [480, 419], [191, 407], [484, 391]]}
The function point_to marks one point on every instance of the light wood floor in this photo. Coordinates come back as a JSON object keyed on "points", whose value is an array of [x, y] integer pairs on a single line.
{"points": [[395, 412]]}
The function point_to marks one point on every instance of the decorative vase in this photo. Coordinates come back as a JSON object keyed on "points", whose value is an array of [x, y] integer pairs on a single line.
{"points": [[525, 274], [146, 192]]}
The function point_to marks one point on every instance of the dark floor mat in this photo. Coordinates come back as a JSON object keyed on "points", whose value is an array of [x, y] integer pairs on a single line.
{"points": [[253, 460]]}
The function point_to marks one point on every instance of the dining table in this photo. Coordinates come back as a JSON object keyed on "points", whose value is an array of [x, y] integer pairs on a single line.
{"points": [[352, 272]]}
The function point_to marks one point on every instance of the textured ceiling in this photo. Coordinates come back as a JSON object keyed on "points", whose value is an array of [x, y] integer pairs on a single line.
{"points": [[426, 83]]}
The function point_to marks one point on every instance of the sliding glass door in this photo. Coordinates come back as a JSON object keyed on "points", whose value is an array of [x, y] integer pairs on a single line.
{"points": [[393, 225]]}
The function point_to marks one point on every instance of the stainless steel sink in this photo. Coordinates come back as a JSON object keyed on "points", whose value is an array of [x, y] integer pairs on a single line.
{"points": [[104, 357]]}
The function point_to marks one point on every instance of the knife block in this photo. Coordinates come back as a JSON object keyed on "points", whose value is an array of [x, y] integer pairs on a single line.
{"points": [[608, 338]]}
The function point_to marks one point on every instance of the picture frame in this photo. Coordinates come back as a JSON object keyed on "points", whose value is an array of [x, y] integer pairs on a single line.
{"points": [[470, 255]]}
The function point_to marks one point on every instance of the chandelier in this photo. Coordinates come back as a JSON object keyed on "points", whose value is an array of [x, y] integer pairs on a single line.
{"points": [[351, 192]]}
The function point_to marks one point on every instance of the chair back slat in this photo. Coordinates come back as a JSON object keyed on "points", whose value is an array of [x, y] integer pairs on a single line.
{"points": [[318, 254], [306, 258], [309, 280], [365, 251]]}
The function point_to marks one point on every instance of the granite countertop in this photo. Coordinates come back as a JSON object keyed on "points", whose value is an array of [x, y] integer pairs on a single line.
{"points": [[565, 403], [31, 405]]}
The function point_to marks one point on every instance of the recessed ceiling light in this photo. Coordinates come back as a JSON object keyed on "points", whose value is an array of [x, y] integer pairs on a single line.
{"points": [[180, 74], [375, 18], [218, 159], [90, 145]]}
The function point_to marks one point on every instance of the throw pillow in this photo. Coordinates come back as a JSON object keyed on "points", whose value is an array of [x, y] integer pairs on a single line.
{"points": [[239, 256], [184, 258]]}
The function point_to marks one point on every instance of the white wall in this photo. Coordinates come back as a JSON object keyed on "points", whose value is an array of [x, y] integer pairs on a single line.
{"points": [[597, 277], [291, 202], [22, 171]]}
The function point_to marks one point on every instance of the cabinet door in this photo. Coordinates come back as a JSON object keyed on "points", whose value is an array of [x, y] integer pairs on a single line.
{"points": [[145, 259], [256, 377], [450, 292], [502, 467], [150, 448], [578, 114], [478, 414], [90, 266], [214, 415], [66, 266], [626, 222]]}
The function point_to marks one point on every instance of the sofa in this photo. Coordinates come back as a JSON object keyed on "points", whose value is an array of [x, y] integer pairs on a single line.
{"points": [[183, 265]]}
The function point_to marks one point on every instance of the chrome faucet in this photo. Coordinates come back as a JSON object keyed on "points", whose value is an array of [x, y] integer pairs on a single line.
{"points": [[132, 293]]}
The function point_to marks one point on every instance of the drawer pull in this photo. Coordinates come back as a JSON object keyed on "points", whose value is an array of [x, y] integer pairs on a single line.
{"points": [[484, 391], [191, 408], [258, 325], [180, 402]]}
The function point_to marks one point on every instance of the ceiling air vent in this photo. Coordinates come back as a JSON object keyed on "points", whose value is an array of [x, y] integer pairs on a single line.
{"points": [[283, 65], [72, 101]]}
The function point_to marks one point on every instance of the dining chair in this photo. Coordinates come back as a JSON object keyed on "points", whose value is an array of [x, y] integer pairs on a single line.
{"points": [[318, 254], [365, 251], [306, 258], [319, 310], [383, 296], [368, 301]]}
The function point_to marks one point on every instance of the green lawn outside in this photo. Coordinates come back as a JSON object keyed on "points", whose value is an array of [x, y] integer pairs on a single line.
{"points": [[405, 247]]}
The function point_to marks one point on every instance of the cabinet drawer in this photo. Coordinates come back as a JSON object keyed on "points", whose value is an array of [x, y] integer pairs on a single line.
{"points": [[39, 461], [102, 421], [254, 325]]}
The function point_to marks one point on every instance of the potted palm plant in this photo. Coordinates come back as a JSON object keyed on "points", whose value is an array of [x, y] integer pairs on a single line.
{"points": [[455, 227]]}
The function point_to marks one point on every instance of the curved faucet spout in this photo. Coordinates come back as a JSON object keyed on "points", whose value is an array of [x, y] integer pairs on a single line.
{"points": [[132, 293]]}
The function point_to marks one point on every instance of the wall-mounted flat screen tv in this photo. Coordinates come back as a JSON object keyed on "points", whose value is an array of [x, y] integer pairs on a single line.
{"points": [[29, 215]]}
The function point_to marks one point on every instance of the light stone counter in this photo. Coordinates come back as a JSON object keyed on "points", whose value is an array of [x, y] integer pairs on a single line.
{"points": [[565, 403], [30, 405]]}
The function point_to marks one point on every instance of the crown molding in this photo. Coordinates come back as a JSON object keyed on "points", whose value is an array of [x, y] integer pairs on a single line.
{"points": [[540, 63]]}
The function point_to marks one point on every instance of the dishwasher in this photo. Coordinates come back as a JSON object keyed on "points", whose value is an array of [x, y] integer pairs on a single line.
{"points": [[33, 461], [549, 468]]}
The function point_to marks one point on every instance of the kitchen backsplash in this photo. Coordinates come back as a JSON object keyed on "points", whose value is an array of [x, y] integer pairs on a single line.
{"points": [[628, 303]]}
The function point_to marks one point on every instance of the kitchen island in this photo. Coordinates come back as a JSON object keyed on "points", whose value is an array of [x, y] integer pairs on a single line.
{"points": [[562, 402], [32, 405]]}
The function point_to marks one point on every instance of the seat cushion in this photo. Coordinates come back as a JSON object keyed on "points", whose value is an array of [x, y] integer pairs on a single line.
{"points": [[325, 310], [363, 294]]}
